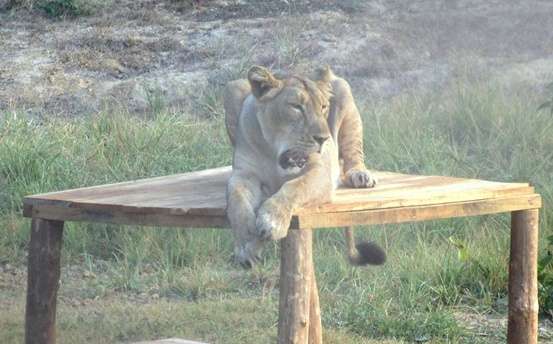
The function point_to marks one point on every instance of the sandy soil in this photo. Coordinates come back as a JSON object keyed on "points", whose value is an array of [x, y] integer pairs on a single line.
{"points": [[136, 54]]}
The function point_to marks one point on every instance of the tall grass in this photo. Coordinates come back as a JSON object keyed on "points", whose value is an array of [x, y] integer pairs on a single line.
{"points": [[58, 154], [469, 130]]}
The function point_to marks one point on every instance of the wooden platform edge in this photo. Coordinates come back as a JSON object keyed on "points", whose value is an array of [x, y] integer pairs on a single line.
{"points": [[418, 213], [359, 205], [118, 216], [315, 220]]}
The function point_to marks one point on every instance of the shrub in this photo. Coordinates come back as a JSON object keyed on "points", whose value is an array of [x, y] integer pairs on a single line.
{"points": [[61, 8], [57, 8]]}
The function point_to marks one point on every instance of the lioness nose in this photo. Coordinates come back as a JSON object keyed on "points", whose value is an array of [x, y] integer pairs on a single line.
{"points": [[320, 139]]}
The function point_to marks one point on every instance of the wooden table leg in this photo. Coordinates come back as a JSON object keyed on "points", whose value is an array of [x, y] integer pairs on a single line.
{"points": [[43, 274], [315, 326], [523, 280], [296, 290]]}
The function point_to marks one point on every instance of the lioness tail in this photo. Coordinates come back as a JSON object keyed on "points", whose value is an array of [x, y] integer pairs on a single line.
{"points": [[363, 253]]}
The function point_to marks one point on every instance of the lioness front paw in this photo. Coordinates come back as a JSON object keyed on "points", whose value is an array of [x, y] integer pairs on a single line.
{"points": [[272, 220], [360, 179]]}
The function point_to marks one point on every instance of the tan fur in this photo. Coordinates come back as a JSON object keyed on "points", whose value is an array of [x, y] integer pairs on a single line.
{"points": [[265, 125]]}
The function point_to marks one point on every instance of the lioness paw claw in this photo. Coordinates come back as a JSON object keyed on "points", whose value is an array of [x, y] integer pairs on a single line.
{"points": [[270, 228], [271, 223], [360, 179]]}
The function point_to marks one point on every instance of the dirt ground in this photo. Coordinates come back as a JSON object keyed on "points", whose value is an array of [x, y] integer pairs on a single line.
{"points": [[78, 284], [136, 54]]}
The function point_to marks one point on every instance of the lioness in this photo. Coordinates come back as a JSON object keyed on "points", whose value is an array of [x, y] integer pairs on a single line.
{"points": [[288, 134]]}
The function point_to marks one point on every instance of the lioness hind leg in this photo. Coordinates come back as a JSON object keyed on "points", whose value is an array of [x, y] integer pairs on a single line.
{"points": [[243, 198]]}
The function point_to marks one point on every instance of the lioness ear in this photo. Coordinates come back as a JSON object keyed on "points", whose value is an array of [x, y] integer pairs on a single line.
{"points": [[262, 82], [324, 75]]}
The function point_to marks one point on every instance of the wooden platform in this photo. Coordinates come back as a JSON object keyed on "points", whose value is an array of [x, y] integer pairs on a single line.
{"points": [[198, 200]]}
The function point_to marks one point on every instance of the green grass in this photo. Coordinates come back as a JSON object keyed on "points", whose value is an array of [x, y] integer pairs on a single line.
{"points": [[164, 282]]}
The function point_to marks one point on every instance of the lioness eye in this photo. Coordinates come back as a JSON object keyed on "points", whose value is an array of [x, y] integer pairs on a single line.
{"points": [[297, 107], [324, 106]]}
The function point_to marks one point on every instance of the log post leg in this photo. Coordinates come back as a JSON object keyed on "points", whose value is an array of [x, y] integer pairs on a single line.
{"points": [[296, 289], [315, 326], [523, 281], [43, 274]]}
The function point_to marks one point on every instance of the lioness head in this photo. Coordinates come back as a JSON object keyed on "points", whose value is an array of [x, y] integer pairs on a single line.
{"points": [[292, 113]]}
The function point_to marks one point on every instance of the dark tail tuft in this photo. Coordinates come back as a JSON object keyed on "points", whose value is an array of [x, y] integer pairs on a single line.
{"points": [[363, 253], [370, 254]]}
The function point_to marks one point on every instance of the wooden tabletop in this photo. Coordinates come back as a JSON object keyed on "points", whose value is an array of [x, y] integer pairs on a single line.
{"points": [[197, 199]]}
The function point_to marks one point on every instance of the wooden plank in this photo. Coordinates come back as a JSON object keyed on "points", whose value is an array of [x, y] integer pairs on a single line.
{"points": [[212, 209], [209, 199], [152, 217], [203, 193], [145, 217], [185, 193], [43, 281], [523, 278], [214, 175], [417, 213], [353, 199], [116, 216]]}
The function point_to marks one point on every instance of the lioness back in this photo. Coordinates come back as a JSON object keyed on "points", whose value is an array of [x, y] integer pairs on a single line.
{"points": [[233, 97]]}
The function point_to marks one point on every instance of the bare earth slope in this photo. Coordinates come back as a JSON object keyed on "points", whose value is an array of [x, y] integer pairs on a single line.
{"points": [[136, 54]]}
